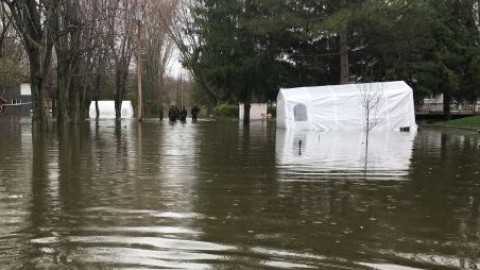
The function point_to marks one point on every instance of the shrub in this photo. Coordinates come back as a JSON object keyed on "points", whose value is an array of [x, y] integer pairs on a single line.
{"points": [[272, 109], [226, 110], [154, 108]]}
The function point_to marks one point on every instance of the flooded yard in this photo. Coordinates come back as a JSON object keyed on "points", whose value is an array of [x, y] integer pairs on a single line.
{"points": [[221, 195]]}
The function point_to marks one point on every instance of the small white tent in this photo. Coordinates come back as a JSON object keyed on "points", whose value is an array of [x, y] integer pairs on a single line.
{"points": [[387, 105], [107, 109]]}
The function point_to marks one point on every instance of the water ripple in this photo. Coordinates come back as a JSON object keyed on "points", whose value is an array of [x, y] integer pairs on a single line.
{"points": [[125, 251]]}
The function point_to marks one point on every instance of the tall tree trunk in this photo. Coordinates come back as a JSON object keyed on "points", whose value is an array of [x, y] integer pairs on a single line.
{"points": [[120, 85], [96, 92], [68, 50], [246, 115], [76, 102], [37, 98], [97, 110], [78, 90], [32, 21], [344, 64], [63, 94], [36, 79], [447, 100]]}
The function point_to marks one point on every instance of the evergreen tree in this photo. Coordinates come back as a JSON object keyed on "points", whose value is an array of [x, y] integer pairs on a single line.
{"points": [[251, 48], [446, 54], [231, 55]]}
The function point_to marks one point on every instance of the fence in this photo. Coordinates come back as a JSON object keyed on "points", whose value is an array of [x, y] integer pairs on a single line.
{"points": [[455, 108]]}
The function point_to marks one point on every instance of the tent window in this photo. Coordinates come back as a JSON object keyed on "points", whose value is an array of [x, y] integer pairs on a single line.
{"points": [[300, 112]]}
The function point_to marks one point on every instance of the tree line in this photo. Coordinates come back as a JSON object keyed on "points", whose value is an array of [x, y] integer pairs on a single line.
{"points": [[245, 50], [73, 51]]}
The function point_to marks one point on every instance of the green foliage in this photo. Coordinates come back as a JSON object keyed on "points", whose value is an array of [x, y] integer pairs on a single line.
{"points": [[272, 109], [154, 108], [226, 110], [445, 53], [231, 56], [200, 98], [249, 49]]}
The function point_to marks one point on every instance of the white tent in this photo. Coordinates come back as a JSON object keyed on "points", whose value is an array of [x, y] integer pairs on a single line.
{"points": [[387, 105], [107, 109]]}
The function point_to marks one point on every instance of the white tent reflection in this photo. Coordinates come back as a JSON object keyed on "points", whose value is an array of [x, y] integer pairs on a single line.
{"points": [[341, 153]]}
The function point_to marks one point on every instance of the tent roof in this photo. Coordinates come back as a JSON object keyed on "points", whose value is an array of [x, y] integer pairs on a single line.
{"points": [[329, 91]]}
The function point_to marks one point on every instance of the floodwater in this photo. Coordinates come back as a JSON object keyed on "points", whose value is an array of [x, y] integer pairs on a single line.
{"points": [[220, 195]]}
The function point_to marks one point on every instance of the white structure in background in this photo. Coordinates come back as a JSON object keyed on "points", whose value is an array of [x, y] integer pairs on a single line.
{"points": [[433, 104], [25, 90], [434, 99], [107, 109], [257, 111], [341, 152], [339, 107]]}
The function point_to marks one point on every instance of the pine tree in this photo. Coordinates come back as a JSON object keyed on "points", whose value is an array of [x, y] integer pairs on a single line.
{"points": [[231, 55]]}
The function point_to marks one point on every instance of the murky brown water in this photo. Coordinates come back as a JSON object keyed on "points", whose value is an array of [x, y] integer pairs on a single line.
{"points": [[218, 195]]}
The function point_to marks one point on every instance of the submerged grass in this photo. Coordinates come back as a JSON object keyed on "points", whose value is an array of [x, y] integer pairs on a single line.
{"points": [[467, 122]]}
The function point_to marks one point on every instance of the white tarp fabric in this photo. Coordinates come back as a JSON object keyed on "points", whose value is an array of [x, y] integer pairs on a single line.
{"points": [[343, 152], [107, 109], [389, 106]]}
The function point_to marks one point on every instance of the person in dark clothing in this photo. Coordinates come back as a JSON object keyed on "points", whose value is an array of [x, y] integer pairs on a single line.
{"points": [[183, 114], [195, 110], [173, 113]]}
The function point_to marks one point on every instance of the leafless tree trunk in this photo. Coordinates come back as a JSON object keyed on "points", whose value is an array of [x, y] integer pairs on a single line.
{"points": [[97, 57], [158, 48], [68, 50], [33, 19], [120, 27], [5, 25], [81, 34], [13, 61], [344, 63], [94, 62], [371, 96], [343, 50]]}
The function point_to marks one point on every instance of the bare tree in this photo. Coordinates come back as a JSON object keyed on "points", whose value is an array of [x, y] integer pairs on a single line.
{"points": [[33, 19], [120, 32], [179, 91], [5, 26], [158, 48], [181, 29], [371, 96], [68, 31], [94, 62], [13, 63], [79, 49]]}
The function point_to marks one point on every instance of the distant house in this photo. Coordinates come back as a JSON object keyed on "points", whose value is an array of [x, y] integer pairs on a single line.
{"points": [[433, 104], [257, 111], [16, 100]]}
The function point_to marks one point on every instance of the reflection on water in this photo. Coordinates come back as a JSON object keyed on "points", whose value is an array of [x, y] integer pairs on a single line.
{"points": [[387, 154], [222, 195]]}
